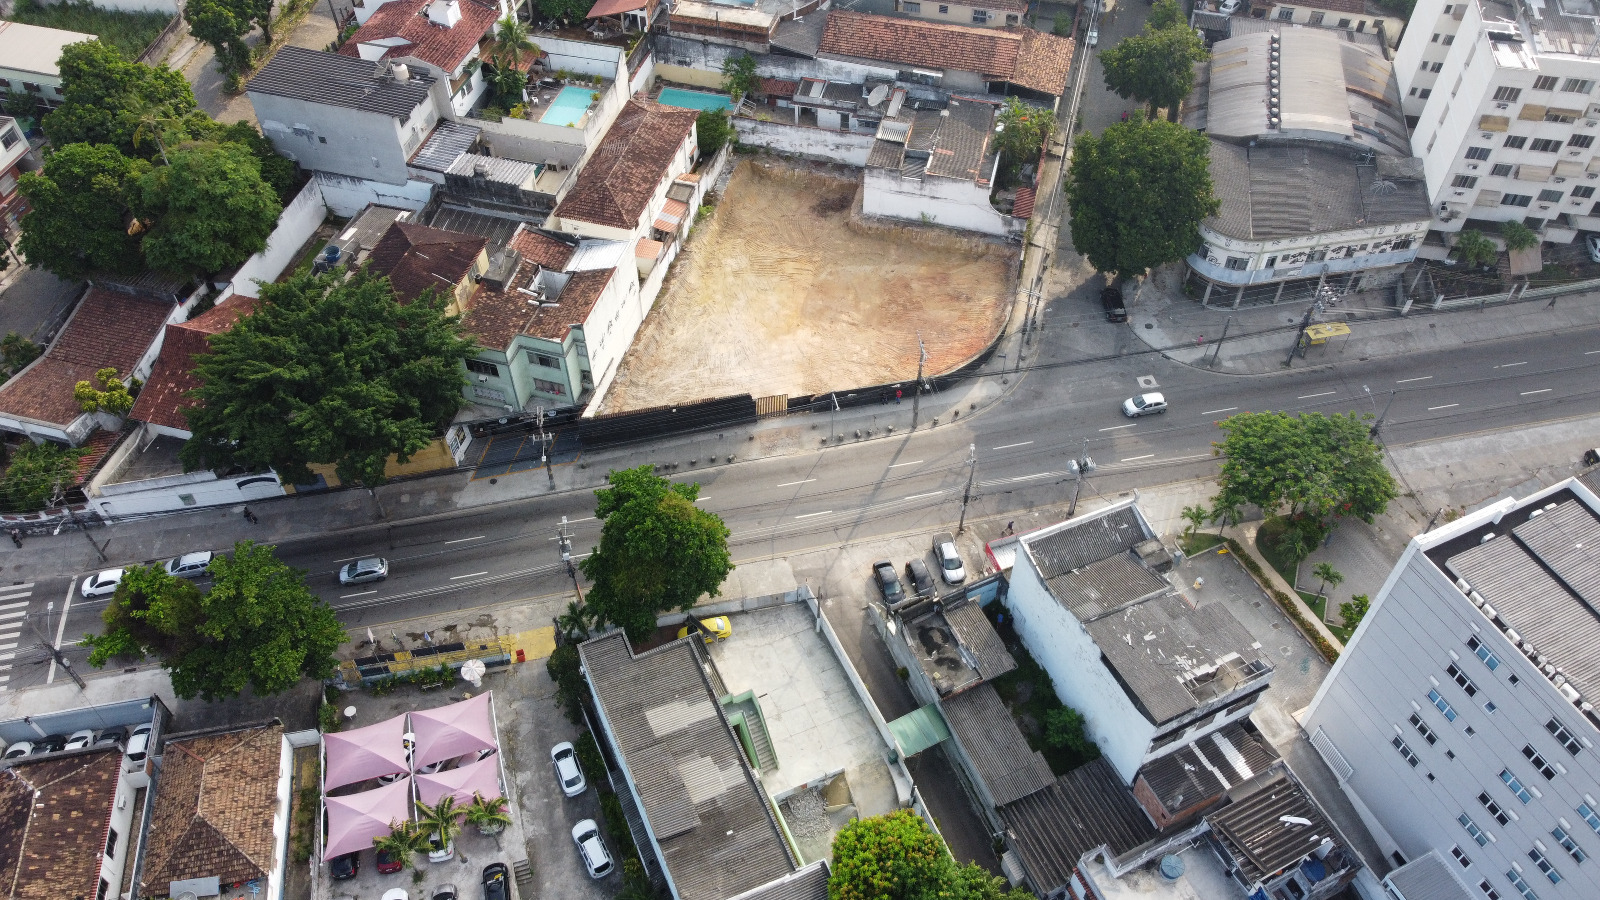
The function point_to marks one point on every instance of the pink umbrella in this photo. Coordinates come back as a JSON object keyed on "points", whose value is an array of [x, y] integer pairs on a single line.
{"points": [[450, 731], [354, 820], [481, 777], [352, 756]]}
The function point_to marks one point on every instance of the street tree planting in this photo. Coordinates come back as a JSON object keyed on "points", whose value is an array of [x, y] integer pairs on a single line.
{"points": [[1155, 66], [897, 857]]}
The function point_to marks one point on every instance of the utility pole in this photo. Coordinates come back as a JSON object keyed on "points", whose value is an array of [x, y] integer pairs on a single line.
{"points": [[833, 416], [1433, 520], [564, 535], [544, 446], [972, 468], [1373, 432], [1299, 333], [63, 662], [1218, 351], [60, 497], [1082, 463], [916, 398]]}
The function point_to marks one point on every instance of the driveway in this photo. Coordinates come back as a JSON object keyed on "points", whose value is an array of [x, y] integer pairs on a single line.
{"points": [[34, 303]]}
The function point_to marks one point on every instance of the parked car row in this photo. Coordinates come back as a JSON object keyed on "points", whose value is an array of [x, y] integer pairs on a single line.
{"points": [[495, 881], [569, 774], [947, 559], [136, 747], [198, 565]]}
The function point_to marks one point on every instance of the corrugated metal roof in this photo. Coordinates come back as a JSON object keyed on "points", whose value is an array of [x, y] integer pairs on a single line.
{"points": [[981, 723], [1427, 877], [1277, 192], [972, 628], [1105, 585], [1252, 826], [810, 883], [1082, 541], [1567, 540], [497, 169], [708, 812], [1084, 810], [1208, 767], [333, 80], [1156, 647], [445, 145]]}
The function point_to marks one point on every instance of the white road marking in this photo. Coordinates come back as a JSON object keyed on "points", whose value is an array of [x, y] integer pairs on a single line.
{"points": [[1510, 365], [920, 496], [14, 605], [4, 656], [1446, 406], [10, 646], [701, 499], [14, 614], [1026, 443], [362, 594], [912, 463], [348, 558], [793, 483], [1031, 477], [584, 519], [1590, 352], [464, 540], [1539, 391], [809, 515], [1408, 380], [472, 575], [1132, 458], [1115, 427], [1309, 396], [1224, 409]]}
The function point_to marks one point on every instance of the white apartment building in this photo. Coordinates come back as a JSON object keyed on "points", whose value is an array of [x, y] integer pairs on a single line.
{"points": [[1460, 719], [1501, 100]]}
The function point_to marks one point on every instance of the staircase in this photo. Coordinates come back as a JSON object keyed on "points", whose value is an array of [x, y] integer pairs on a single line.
{"points": [[744, 712], [522, 871]]}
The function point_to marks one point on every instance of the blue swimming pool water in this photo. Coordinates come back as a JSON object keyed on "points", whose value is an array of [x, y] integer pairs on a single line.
{"points": [[568, 106], [694, 99]]}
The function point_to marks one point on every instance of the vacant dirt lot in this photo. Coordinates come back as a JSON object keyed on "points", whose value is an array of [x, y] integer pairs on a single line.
{"points": [[780, 292]]}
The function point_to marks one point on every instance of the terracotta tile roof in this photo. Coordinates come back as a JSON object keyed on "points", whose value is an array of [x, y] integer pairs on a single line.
{"points": [[928, 45], [166, 392], [99, 444], [779, 87], [671, 215], [214, 812], [1044, 62], [647, 249], [53, 819], [444, 47], [495, 318], [417, 257], [619, 179], [1023, 207], [108, 328]]}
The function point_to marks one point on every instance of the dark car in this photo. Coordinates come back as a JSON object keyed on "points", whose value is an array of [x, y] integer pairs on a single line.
{"points": [[112, 737], [888, 582], [496, 885], [50, 744], [388, 863], [345, 867], [1111, 301], [920, 579]]}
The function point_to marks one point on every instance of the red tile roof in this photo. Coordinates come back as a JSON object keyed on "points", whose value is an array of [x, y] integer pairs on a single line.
{"points": [[107, 329], [616, 184], [54, 816], [495, 318], [1022, 56], [779, 87], [416, 257], [166, 393], [444, 47], [1023, 207], [214, 812]]}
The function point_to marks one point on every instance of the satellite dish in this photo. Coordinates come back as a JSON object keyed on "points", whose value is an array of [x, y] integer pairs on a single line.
{"points": [[878, 95]]}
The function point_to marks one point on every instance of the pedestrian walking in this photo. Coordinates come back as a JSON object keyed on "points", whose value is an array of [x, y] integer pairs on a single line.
{"points": [[250, 516], [1011, 527], [16, 538]]}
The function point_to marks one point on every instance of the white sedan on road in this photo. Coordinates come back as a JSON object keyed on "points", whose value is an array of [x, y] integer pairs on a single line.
{"points": [[102, 584]]}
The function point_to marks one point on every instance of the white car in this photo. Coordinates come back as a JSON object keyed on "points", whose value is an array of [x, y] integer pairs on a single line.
{"points": [[1094, 35], [1228, 7], [568, 772], [1593, 243], [102, 584], [371, 568], [19, 750], [596, 858], [191, 565], [80, 739], [139, 745], [1144, 405], [438, 854], [951, 569]]}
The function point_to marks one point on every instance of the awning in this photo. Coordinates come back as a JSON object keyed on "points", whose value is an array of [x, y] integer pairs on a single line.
{"points": [[481, 777], [919, 729], [1324, 330], [450, 731], [614, 7], [370, 752], [671, 215], [353, 821]]}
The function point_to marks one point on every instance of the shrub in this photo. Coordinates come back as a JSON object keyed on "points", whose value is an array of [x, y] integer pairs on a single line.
{"points": [[563, 666], [328, 718], [590, 760]]}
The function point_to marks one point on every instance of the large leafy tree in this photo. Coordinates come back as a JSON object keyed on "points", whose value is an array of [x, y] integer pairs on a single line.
{"points": [[327, 371], [1317, 466], [224, 24], [1138, 194], [1155, 66], [82, 206], [37, 474], [1023, 131], [209, 209], [258, 627], [657, 551], [565, 10], [105, 98], [897, 857]]}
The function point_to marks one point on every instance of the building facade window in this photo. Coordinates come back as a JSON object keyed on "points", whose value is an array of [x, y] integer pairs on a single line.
{"points": [[1423, 729], [1461, 857], [1515, 878], [1477, 647], [1478, 153], [1237, 263], [1544, 865], [1285, 14], [1559, 118], [1477, 833], [1464, 181], [549, 387], [1435, 67], [1568, 844], [1516, 786], [1545, 145], [1545, 83], [479, 367], [1494, 809], [1425, 93], [911, 7], [1581, 141], [1582, 193], [1405, 752], [1443, 705], [1515, 200], [1545, 769], [1549, 196], [980, 17], [1488, 891], [1516, 141], [1501, 170], [1316, 18], [1556, 729], [1507, 94], [1461, 679], [1577, 85], [1589, 816], [543, 359]]}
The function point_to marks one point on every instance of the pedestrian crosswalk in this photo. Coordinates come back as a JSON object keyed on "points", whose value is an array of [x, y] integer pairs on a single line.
{"points": [[14, 601]]}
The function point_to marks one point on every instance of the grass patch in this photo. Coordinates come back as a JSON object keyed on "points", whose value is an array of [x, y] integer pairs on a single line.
{"points": [[1285, 602], [129, 32], [1319, 605], [1200, 542], [1267, 542], [1031, 697]]}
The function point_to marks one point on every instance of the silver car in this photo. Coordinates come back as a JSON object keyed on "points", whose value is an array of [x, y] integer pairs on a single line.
{"points": [[951, 569], [102, 584], [191, 565], [373, 568], [1144, 405], [596, 858]]}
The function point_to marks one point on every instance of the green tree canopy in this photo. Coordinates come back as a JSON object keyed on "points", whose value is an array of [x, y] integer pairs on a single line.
{"points": [[37, 474], [327, 371], [713, 131], [258, 627], [1138, 193], [565, 10], [1314, 465], [1474, 248], [1155, 66], [1165, 14], [510, 44], [210, 209], [897, 857], [82, 204], [657, 552], [1023, 132], [1518, 236], [224, 24], [104, 98], [739, 75]]}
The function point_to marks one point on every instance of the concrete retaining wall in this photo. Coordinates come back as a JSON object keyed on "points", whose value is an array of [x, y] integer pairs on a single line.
{"points": [[808, 143], [296, 225]]}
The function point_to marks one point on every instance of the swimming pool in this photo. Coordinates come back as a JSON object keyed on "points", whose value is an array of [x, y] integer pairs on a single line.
{"points": [[568, 106], [694, 99]]}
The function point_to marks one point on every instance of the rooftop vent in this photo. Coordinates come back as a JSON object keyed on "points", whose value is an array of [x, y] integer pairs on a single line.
{"points": [[501, 268], [444, 12]]}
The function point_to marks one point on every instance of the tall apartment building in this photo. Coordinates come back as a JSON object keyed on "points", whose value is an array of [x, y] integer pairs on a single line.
{"points": [[1500, 97], [1461, 720]]}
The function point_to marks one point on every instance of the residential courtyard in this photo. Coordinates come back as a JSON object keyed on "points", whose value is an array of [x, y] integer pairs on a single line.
{"points": [[783, 290]]}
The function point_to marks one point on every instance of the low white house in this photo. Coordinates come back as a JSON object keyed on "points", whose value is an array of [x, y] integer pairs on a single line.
{"points": [[937, 166]]}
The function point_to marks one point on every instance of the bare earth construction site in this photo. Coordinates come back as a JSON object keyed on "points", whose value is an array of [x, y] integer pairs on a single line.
{"points": [[783, 292]]}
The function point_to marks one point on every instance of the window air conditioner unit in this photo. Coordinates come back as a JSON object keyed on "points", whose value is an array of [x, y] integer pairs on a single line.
{"points": [[1561, 181], [482, 378], [1502, 106], [1472, 166], [1592, 176], [1487, 136]]}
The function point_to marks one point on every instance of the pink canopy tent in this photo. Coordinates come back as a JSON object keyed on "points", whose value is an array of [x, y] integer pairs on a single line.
{"points": [[450, 731], [354, 820], [481, 777], [352, 756]]}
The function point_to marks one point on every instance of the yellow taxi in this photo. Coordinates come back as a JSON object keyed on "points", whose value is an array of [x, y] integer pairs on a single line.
{"points": [[716, 628]]}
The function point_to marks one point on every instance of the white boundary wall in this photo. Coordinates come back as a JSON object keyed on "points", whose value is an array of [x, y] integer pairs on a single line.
{"points": [[296, 225]]}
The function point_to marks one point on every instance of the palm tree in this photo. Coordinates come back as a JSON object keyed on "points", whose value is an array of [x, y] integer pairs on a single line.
{"points": [[1328, 575], [510, 44], [154, 122], [488, 813], [403, 841], [1225, 511], [442, 817], [1195, 516], [574, 623]]}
